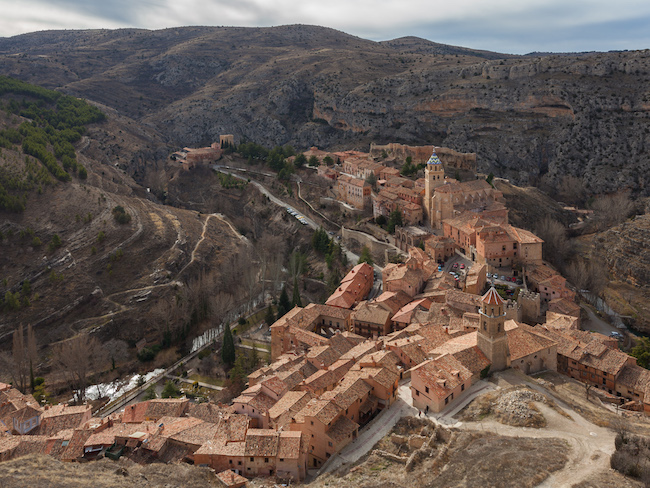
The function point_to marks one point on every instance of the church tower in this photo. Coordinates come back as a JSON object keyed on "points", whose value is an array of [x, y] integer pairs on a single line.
{"points": [[434, 176], [491, 337]]}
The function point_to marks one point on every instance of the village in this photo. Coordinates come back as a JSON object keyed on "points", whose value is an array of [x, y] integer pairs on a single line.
{"points": [[472, 296]]}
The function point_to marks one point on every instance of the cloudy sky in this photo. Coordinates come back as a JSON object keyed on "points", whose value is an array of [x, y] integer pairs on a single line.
{"points": [[512, 26]]}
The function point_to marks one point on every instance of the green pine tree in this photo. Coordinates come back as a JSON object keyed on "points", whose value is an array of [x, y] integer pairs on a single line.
{"points": [[284, 305], [270, 316], [365, 256], [295, 301], [228, 347]]}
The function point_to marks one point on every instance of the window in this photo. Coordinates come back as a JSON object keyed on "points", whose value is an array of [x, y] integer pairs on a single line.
{"points": [[238, 463], [281, 459], [417, 393], [329, 443], [312, 422], [426, 388], [327, 455], [266, 460], [251, 459], [446, 400], [462, 387], [229, 461]]}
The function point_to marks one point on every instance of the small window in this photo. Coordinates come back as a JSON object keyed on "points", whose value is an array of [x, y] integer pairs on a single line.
{"points": [[238, 463], [446, 400], [312, 422], [426, 389], [266, 460], [251, 459], [462, 387], [229, 461], [329, 443], [281, 460]]}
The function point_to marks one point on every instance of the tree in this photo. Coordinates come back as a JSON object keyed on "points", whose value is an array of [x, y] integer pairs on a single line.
{"points": [[328, 161], [489, 179], [365, 256], [313, 161], [557, 248], [299, 161], [372, 180], [228, 348], [611, 210], [55, 243], [269, 318], [77, 358], [641, 351], [284, 305], [150, 393], [170, 390], [380, 220], [295, 301], [23, 355], [394, 219]]}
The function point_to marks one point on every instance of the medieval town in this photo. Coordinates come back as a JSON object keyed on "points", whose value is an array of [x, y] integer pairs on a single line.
{"points": [[471, 297]]}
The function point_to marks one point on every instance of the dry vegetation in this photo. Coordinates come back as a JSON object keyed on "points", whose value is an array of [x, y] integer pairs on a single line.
{"points": [[50, 472], [511, 406], [419, 454]]}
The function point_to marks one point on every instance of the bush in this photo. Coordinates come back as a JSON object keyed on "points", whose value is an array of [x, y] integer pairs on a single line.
{"points": [[170, 390], [55, 243], [120, 215], [148, 353]]}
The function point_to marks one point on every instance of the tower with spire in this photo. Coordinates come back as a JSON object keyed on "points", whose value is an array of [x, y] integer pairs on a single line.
{"points": [[434, 176], [491, 336]]}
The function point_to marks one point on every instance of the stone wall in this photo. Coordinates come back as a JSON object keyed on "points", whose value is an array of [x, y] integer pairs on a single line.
{"points": [[421, 154]]}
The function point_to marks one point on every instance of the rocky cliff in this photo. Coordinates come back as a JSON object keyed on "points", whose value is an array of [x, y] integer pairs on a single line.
{"points": [[532, 119]]}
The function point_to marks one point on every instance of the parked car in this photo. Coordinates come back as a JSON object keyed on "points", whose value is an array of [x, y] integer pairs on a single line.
{"points": [[439, 267], [455, 265], [503, 278], [462, 266]]}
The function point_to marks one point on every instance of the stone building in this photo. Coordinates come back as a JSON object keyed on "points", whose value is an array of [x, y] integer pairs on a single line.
{"points": [[491, 334], [354, 191]]}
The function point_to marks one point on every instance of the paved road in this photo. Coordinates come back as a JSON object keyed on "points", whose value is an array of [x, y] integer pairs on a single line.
{"points": [[595, 323], [372, 433]]}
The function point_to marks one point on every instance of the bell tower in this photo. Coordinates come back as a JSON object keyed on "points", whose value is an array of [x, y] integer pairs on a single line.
{"points": [[491, 336], [434, 176]]}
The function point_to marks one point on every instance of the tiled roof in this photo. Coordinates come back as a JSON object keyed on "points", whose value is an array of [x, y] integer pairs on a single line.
{"points": [[320, 380], [361, 350], [291, 402], [342, 429], [230, 478], [260, 402], [289, 445], [61, 417], [196, 435], [434, 159], [323, 410], [634, 377], [261, 443], [442, 375], [524, 341], [348, 392], [208, 411], [492, 297], [405, 313]]}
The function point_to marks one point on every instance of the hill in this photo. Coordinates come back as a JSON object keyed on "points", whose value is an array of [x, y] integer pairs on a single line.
{"points": [[533, 119]]}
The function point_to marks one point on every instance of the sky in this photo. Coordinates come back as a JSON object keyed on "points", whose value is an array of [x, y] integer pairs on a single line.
{"points": [[507, 26]]}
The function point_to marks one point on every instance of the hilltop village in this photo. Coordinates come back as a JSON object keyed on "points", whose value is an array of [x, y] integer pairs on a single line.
{"points": [[337, 366]]}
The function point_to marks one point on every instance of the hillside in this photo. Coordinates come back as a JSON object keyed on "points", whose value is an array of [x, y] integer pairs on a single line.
{"points": [[90, 249], [532, 119]]}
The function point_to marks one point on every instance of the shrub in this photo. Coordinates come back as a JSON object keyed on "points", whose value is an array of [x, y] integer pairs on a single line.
{"points": [[55, 243], [120, 215]]}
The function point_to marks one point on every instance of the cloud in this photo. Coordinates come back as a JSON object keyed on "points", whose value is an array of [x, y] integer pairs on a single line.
{"points": [[498, 25]]}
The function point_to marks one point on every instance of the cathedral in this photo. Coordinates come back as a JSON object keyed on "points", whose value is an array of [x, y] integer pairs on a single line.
{"points": [[446, 198]]}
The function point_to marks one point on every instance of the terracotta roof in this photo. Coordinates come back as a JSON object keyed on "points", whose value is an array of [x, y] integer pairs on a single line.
{"points": [[289, 445], [524, 341], [405, 313], [348, 392], [342, 429], [230, 478], [261, 443], [208, 411], [634, 377], [260, 402], [197, 435], [323, 410], [442, 375], [361, 350], [320, 380], [61, 417], [492, 297], [292, 402]]}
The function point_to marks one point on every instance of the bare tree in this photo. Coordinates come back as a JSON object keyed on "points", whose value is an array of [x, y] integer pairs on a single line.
{"points": [[572, 190], [78, 357], [23, 357], [557, 247], [611, 210], [586, 275]]}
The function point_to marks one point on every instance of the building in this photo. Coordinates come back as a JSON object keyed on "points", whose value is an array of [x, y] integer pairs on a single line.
{"points": [[354, 191], [491, 334]]}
